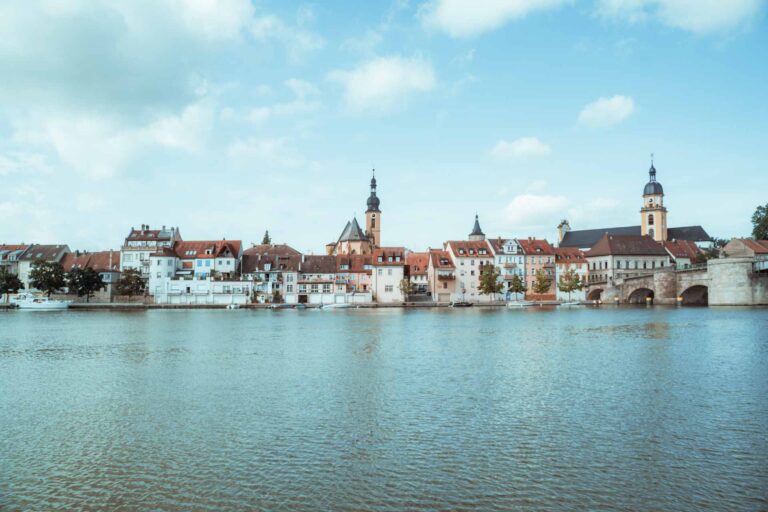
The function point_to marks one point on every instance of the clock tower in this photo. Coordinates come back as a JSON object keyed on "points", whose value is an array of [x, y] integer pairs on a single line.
{"points": [[373, 215], [653, 214]]}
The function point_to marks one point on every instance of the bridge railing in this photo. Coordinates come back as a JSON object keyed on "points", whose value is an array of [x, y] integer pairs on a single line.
{"points": [[693, 268]]}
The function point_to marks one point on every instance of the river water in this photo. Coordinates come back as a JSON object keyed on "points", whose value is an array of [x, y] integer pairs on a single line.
{"points": [[389, 409]]}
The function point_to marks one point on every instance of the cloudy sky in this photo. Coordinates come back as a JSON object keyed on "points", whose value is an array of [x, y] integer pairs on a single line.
{"points": [[229, 117]]}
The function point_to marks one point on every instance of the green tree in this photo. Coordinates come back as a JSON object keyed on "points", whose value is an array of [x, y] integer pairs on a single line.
{"points": [[517, 285], [267, 240], [130, 283], [542, 282], [760, 223], [9, 283], [84, 281], [570, 282], [406, 287], [276, 297], [489, 281], [47, 276]]}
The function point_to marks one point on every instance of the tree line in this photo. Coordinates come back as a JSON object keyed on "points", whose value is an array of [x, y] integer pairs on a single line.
{"points": [[49, 277]]}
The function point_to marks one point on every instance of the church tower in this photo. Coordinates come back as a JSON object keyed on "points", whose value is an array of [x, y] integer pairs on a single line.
{"points": [[373, 215], [653, 214]]}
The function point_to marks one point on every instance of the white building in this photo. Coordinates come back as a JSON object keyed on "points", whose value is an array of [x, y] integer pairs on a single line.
{"points": [[270, 266], [35, 252], [616, 256], [201, 291], [509, 259], [389, 269], [469, 257], [571, 258], [141, 243]]}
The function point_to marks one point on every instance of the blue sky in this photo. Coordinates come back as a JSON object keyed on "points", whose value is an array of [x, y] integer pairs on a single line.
{"points": [[228, 118]]}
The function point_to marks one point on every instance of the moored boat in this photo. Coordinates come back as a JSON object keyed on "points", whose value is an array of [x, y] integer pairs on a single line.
{"points": [[461, 304], [520, 304], [39, 303], [336, 306]]}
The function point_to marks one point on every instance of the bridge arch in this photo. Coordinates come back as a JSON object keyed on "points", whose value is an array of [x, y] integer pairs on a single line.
{"points": [[640, 296], [696, 295], [595, 294]]}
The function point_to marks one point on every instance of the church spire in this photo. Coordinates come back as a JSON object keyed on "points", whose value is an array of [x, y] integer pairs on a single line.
{"points": [[373, 200], [477, 233]]}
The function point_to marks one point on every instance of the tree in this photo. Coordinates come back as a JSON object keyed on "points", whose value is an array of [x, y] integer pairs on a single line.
{"points": [[267, 240], [9, 283], [517, 285], [84, 281], [489, 281], [276, 297], [542, 282], [406, 287], [760, 223], [130, 283], [47, 276], [569, 282]]}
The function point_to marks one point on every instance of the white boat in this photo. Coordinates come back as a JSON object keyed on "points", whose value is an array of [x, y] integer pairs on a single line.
{"points": [[571, 304], [336, 306], [233, 306], [520, 304], [29, 301]]}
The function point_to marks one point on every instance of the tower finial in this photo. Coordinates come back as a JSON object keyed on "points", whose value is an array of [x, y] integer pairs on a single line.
{"points": [[651, 159]]}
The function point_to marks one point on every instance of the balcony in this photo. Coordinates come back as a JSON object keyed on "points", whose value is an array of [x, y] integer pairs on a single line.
{"points": [[510, 265], [446, 277]]}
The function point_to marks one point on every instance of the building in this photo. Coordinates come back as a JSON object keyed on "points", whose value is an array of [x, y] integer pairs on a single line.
{"points": [[9, 256], [683, 252], [106, 263], [208, 291], [272, 268], [353, 240], [198, 260], [749, 248], [388, 270], [354, 271], [441, 276], [539, 255], [469, 257], [653, 223], [418, 272], [39, 252], [571, 258], [509, 259], [477, 234], [143, 242], [622, 256]]}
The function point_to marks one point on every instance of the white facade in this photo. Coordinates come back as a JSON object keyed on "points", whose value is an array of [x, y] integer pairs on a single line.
{"points": [[582, 271], [201, 291], [385, 281], [469, 262], [611, 267]]}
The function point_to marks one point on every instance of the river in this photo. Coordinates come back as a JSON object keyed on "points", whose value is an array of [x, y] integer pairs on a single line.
{"points": [[625, 409]]}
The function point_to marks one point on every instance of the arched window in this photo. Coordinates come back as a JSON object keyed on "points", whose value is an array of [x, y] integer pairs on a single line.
{"points": [[651, 232], [373, 221], [650, 220]]}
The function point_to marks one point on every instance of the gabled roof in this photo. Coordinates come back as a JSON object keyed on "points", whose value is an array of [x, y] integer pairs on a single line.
{"points": [[469, 248], [318, 265], [441, 259], [626, 245], [44, 252], [272, 250], [145, 234], [682, 249], [749, 247], [187, 250], [392, 256], [352, 232], [535, 246], [277, 263], [355, 263], [101, 261], [417, 263], [567, 255], [589, 237], [758, 246]]}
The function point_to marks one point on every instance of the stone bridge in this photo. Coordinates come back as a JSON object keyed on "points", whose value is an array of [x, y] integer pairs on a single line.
{"points": [[723, 282]]}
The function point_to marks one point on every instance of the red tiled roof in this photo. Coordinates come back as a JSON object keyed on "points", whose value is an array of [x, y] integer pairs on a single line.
{"points": [[535, 246], [198, 248], [566, 255], [441, 259], [626, 245], [682, 248], [355, 263], [99, 261], [11, 247], [757, 246], [385, 253], [418, 263], [318, 265], [471, 248]]}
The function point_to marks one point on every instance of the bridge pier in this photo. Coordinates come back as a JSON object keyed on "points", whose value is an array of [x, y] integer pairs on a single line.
{"points": [[733, 282]]}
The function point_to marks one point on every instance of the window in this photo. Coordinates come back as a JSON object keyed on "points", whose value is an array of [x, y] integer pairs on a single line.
{"points": [[157, 262], [389, 271], [207, 263], [158, 275], [326, 288], [650, 220], [388, 288], [199, 263], [651, 233], [471, 272], [373, 220], [313, 288], [289, 288], [380, 272]]}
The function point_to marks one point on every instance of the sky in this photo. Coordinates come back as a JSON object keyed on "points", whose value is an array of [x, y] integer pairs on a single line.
{"points": [[227, 118]]}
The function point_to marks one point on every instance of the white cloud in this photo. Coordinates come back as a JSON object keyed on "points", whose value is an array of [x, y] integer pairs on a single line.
{"points": [[698, 16], [383, 83], [23, 162], [214, 19], [536, 212], [460, 18], [297, 40], [520, 148], [527, 210], [606, 112], [258, 153]]}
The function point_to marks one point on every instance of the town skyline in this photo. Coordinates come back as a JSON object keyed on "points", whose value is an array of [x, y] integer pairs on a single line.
{"points": [[278, 112]]}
